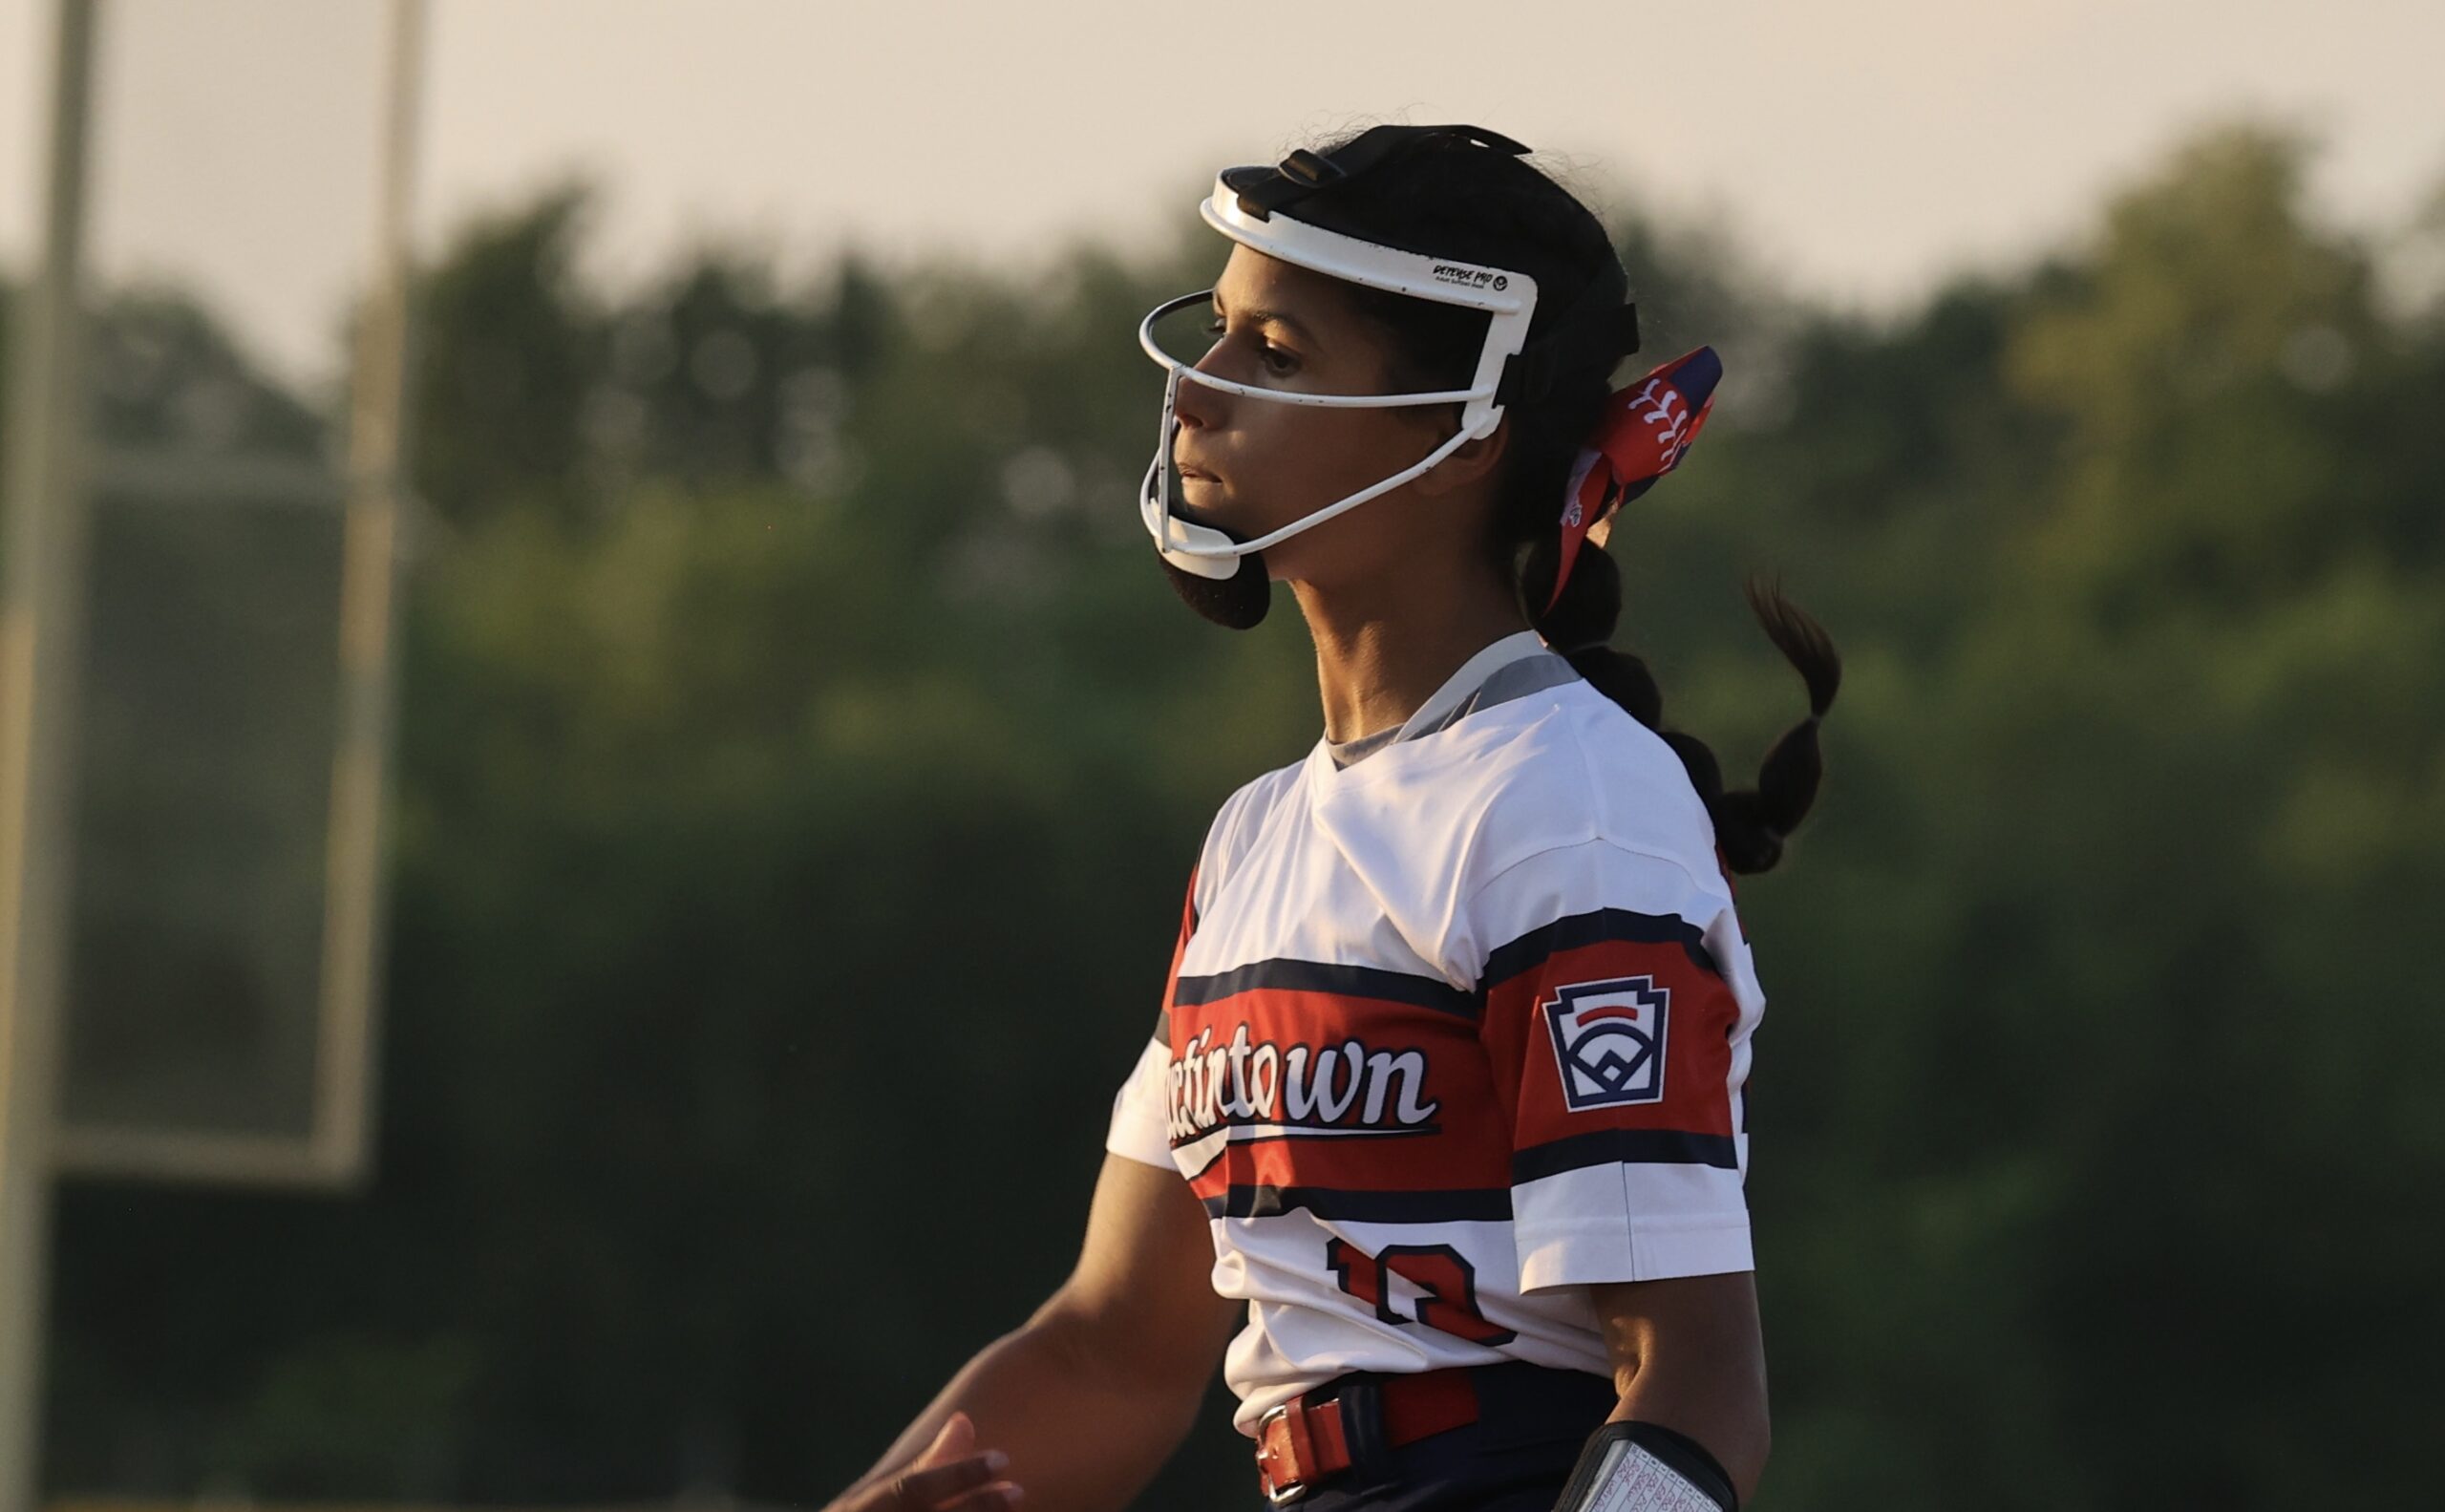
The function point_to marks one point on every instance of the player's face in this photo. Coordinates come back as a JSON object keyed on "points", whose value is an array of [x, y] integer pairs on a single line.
{"points": [[1254, 465]]}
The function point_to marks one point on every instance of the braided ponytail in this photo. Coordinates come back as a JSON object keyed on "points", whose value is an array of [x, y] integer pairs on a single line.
{"points": [[1750, 823], [1500, 210]]}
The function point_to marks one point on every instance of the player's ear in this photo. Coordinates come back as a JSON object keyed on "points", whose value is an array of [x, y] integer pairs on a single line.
{"points": [[1470, 463]]}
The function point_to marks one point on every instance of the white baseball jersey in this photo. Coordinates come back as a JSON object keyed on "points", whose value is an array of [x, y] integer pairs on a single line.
{"points": [[1453, 1031]]}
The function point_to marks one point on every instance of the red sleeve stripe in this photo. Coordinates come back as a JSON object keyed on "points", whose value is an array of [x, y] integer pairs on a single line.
{"points": [[1371, 983], [1624, 1146], [1506, 963]]}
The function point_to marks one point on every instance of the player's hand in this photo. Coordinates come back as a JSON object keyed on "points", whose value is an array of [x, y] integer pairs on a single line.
{"points": [[950, 1475]]}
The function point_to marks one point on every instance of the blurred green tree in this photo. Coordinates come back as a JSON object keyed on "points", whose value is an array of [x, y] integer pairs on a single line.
{"points": [[509, 347]]}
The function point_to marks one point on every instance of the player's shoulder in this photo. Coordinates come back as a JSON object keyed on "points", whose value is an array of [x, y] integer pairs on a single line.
{"points": [[1635, 791], [1597, 826], [1560, 769], [1541, 808], [1237, 823]]}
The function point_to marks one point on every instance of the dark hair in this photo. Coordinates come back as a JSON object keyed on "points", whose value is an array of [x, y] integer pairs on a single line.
{"points": [[1449, 199]]}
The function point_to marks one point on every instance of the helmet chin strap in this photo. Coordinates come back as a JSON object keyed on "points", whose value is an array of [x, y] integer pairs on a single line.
{"points": [[1187, 547], [1240, 595], [1206, 551]]}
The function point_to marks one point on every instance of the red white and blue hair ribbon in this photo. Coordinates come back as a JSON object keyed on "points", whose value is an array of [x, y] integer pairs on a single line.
{"points": [[1644, 433]]}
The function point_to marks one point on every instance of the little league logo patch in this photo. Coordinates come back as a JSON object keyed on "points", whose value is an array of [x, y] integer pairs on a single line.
{"points": [[1608, 1041]]}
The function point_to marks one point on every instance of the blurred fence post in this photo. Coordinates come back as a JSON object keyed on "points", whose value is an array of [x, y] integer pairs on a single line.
{"points": [[39, 608]]}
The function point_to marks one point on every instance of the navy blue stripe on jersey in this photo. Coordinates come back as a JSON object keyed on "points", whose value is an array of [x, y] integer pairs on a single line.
{"points": [[1372, 982], [1460, 1205], [1504, 962], [1312, 1131], [1624, 1146]]}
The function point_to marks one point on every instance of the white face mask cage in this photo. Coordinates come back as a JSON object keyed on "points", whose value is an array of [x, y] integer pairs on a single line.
{"points": [[1508, 298]]}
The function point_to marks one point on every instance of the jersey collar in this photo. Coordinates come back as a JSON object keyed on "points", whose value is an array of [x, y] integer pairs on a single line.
{"points": [[1513, 666]]}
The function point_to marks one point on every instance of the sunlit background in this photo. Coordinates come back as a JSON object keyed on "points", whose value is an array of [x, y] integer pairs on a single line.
{"points": [[793, 757]]}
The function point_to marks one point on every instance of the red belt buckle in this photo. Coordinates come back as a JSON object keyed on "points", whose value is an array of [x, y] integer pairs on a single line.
{"points": [[1298, 1446], [1281, 1436]]}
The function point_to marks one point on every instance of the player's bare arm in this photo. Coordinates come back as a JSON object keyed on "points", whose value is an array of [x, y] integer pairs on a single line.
{"points": [[1688, 1357], [1088, 1398]]}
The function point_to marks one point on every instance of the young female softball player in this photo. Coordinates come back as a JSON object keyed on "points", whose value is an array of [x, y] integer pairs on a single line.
{"points": [[1438, 1138]]}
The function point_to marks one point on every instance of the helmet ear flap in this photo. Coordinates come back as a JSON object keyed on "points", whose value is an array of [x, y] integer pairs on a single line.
{"points": [[1591, 323]]}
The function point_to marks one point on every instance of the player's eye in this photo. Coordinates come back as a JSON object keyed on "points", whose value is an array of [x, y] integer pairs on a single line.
{"points": [[1278, 361]]}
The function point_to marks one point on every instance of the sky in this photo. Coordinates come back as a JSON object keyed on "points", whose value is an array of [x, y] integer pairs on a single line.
{"points": [[1858, 153]]}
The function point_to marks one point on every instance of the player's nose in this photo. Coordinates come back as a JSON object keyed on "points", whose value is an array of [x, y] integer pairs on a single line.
{"points": [[1198, 404]]}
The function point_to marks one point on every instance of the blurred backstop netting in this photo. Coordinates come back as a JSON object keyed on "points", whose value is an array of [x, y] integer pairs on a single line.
{"points": [[242, 352]]}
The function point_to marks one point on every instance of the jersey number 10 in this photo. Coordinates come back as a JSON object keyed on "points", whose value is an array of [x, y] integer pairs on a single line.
{"points": [[1447, 1286]]}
